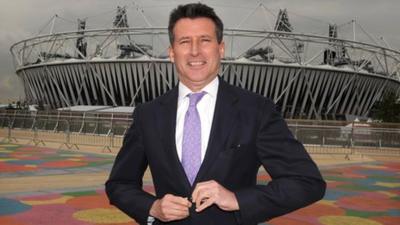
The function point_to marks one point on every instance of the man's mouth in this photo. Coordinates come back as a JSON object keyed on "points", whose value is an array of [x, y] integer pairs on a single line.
{"points": [[197, 63]]}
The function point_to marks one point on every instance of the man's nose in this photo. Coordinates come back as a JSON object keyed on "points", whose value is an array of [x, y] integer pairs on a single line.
{"points": [[195, 48]]}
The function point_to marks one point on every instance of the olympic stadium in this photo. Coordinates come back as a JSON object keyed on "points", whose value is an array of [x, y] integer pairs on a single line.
{"points": [[308, 75], [52, 166]]}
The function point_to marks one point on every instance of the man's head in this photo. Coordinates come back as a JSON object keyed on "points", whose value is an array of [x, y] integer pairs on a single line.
{"points": [[193, 11], [196, 44]]}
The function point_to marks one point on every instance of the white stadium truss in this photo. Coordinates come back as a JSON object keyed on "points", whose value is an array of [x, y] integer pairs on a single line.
{"points": [[297, 71]]}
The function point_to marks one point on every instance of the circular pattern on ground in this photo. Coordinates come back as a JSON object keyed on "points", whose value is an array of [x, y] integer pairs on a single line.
{"points": [[63, 164], [102, 216], [387, 220], [287, 221], [320, 209], [346, 220], [11, 206], [89, 202], [55, 214], [10, 221], [373, 202]]}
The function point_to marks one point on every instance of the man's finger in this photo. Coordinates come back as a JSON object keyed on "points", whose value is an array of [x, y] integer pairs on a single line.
{"points": [[177, 200], [176, 203], [199, 188], [175, 207], [195, 193], [181, 201], [205, 204], [202, 197], [173, 213]]}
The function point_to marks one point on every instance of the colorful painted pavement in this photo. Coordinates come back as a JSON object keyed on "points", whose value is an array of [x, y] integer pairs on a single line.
{"points": [[358, 194], [19, 160]]}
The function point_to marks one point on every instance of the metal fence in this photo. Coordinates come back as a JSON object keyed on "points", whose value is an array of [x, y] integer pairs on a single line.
{"points": [[70, 129], [106, 130], [348, 140]]}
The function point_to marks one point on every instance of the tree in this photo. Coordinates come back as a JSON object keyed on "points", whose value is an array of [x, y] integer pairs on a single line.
{"points": [[388, 109]]}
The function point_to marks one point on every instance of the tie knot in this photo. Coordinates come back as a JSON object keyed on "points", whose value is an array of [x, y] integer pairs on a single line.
{"points": [[194, 98]]}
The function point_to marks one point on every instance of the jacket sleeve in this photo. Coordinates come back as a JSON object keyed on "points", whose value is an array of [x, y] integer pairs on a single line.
{"points": [[296, 181], [125, 185]]}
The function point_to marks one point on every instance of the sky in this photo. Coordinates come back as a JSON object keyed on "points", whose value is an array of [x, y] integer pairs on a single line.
{"points": [[21, 19]]}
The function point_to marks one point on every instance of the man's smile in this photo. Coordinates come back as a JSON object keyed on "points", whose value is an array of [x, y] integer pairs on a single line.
{"points": [[196, 63]]}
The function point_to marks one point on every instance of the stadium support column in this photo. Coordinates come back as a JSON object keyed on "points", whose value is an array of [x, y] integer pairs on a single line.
{"points": [[81, 44], [330, 53]]}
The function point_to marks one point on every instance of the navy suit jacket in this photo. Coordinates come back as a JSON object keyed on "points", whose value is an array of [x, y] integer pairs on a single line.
{"points": [[247, 132]]}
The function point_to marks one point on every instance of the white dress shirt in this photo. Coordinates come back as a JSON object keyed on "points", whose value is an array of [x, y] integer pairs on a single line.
{"points": [[205, 107]]}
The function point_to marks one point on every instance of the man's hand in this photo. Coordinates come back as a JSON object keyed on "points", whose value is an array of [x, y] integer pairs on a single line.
{"points": [[170, 208], [210, 192]]}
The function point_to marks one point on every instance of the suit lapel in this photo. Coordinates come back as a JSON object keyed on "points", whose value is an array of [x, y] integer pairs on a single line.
{"points": [[223, 122], [166, 125]]}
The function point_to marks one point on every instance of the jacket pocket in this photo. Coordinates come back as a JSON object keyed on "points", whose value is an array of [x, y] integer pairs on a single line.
{"points": [[234, 151]]}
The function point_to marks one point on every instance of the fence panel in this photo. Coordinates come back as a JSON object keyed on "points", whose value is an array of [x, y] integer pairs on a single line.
{"points": [[89, 139], [23, 134], [118, 141], [3, 132], [47, 136]]}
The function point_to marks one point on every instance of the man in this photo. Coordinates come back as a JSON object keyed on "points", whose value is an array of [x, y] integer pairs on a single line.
{"points": [[205, 140]]}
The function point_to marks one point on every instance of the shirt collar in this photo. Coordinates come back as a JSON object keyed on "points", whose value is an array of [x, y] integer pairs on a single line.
{"points": [[210, 89]]}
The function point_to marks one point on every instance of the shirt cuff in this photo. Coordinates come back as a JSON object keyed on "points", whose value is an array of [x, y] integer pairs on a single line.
{"points": [[150, 220]]}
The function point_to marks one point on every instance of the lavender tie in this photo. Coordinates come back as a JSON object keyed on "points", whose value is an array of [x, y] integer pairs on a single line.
{"points": [[191, 144]]}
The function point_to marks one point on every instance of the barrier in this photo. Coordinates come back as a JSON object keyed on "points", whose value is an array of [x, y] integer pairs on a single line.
{"points": [[107, 132]]}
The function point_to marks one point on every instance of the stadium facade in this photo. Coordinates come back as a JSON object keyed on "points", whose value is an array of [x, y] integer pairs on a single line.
{"points": [[308, 76]]}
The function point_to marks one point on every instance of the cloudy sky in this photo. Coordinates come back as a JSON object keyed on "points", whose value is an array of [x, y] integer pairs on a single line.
{"points": [[21, 19]]}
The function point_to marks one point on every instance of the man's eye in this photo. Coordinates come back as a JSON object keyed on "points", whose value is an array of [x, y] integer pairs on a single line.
{"points": [[205, 40], [184, 42]]}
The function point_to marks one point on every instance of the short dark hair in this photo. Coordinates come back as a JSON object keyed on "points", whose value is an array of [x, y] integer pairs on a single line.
{"points": [[193, 11]]}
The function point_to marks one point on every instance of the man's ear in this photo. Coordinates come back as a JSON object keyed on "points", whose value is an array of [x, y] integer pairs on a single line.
{"points": [[222, 49], [171, 54]]}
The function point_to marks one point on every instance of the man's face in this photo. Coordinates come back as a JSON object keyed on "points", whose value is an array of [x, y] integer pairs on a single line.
{"points": [[196, 52]]}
